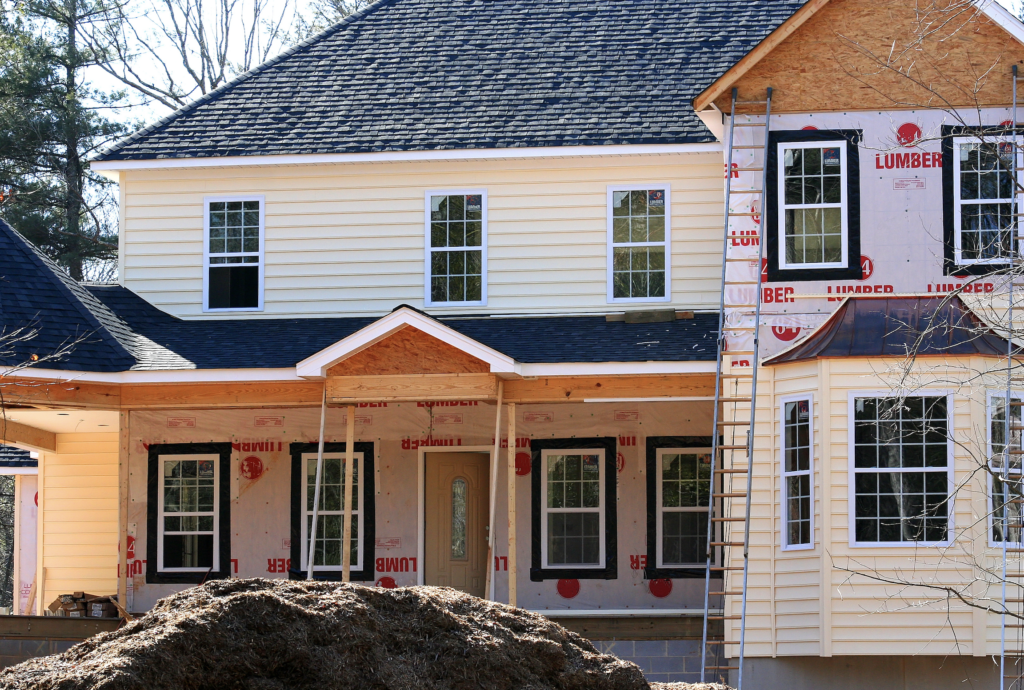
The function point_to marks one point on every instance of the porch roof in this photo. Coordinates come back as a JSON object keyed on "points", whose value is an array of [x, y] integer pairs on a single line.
{"points": [[111, 329], [895, 327]]}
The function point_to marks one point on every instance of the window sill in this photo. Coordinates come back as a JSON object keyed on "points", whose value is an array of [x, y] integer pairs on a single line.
{"points": [[598, 573]]}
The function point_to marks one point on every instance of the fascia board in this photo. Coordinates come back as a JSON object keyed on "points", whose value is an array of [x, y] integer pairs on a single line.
{"points": [[105, 167], [1003, 18], [316, 366], [756, 54]]}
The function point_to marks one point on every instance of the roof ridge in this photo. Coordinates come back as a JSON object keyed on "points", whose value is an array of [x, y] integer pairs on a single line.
{"points": [[116, 146], [63, 282]]}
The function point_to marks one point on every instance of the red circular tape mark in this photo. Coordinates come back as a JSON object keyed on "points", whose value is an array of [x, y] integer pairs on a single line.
{"points": [[36, 499], [387, 583], [786, 333], [867, 267], [908, 134], [522, 464], [567, 589], [251, 467], [660, 588], [809, 128]]}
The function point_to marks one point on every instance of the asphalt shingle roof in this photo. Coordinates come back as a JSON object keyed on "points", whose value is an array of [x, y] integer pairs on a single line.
{"points": [[408, 75], [282, 343], [16, 457]]}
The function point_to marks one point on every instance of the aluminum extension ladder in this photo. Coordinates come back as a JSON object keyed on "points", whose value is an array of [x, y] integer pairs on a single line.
{"points": [[731, 475]]}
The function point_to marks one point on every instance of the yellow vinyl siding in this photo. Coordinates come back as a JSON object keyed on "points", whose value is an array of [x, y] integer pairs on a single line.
{"points": [[349, 238], [78, 513], [807, 602]]}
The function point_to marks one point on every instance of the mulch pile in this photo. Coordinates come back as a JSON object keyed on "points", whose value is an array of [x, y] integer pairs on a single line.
{"points": [[278, 635]]}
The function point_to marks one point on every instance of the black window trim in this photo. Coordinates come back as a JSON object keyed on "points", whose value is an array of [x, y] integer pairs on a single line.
{"points": [[770, 216], [654, 443], [369, 487], [949, 265], [153, 574], [610, 572]]}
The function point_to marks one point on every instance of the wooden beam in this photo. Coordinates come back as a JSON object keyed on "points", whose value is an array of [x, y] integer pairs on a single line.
{"points": [[579, 388], [16, 433], [511, 472], [24, 391], [123, 451], [346, 532], [785, 30], [262, 394], [413, 388]]}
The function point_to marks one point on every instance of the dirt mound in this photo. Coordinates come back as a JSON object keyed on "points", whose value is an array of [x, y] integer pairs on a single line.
{"points": [[275, 635]]}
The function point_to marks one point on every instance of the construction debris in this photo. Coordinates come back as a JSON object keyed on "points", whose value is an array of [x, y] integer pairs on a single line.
{"points": [[83, 605], [281, 635]]}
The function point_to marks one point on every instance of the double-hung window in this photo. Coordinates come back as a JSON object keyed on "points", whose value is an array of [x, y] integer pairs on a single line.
{"points": [[813, 206], [331, 513], [901, 470], [572, 515], [188, 505], [639, 238], [797, 473], [985, 200], [1006, 495], [234, 238], [456, 261], [684, 493]]}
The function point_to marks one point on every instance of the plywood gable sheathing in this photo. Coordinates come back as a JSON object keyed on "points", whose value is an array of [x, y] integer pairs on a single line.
{"points": [[884, 55], [409, 351]]}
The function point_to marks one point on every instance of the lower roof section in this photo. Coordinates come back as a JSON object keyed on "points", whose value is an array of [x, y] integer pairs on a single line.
{"points": [[897, 327]]}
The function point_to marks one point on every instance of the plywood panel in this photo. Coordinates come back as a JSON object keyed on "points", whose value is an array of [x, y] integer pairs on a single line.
{"points": [[856, 55], [409, 351]]}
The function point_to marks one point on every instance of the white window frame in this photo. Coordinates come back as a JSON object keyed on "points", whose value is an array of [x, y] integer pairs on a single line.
{"points": [[207, 256], [357, 514], [667, 244], [989, 507], [784, 474], [844, 184], [659, 529], [427, 249], [851, 483], [172, 457], [958, 202], [544, 510]]}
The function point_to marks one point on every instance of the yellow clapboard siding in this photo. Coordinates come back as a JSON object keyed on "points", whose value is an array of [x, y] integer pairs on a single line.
{"points": [[79, 514], [547, 221]]}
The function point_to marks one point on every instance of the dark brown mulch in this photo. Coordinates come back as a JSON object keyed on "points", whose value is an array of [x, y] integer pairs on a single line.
{"points": [[278, 635]]}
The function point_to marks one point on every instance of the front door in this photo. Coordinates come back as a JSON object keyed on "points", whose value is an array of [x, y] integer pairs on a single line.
{"points": [[456, 505]]}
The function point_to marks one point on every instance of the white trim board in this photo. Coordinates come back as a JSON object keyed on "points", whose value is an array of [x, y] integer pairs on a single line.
{"points": [[107, 167]]}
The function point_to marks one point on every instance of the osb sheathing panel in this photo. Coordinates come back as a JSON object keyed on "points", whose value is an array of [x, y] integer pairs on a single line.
{"points": [[409, 351], [886, 55]]}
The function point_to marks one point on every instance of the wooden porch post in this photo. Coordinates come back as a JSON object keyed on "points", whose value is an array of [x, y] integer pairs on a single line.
{"points": [[512, 504], [124, 448], [350, 434], [316, 489], [488, 578]]}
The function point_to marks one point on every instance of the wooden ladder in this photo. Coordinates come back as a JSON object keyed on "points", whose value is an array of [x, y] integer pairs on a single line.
{"points": [[731, 464]]}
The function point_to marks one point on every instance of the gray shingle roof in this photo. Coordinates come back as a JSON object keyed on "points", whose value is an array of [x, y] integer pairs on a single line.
{"points": [[475, 74]]}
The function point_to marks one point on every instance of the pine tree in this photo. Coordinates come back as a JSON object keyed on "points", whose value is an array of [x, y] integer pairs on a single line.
{"points": [[50, 120]]}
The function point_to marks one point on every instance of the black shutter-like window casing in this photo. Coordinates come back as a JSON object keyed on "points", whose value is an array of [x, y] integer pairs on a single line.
{"points": [[610, 571], [654, 443], [770, 216], [369, 489], [223, 570]]}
